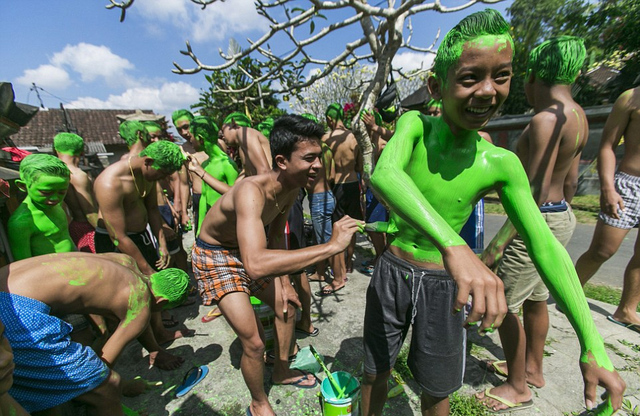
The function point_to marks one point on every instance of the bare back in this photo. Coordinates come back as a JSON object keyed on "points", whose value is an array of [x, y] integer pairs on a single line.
{"points": [[255, 151], [78, 282], [550, 149], [628, 122], [346, 155], [79, 197]]}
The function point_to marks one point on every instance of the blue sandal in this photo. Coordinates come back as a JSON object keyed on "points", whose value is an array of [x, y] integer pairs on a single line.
{"points": [[191, 379]]}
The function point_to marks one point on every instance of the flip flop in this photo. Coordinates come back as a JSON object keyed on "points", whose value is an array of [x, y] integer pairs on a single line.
{"points": [[633, 327], [511, 407], [494, 367], [191, 379], [327, 290], [271, 357], [297, 383], [313, 333], [211, 315]]}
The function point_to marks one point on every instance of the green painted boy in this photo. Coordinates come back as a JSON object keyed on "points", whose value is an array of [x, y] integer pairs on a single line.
{"points": [[218, 172], [39, 224], [431, 174]]}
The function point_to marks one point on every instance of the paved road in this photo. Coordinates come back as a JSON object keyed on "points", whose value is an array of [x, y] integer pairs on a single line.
{"points": [[611, 273]]}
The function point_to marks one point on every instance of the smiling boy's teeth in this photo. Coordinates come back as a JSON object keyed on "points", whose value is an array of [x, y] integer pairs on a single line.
{"points": [[478, 110]]}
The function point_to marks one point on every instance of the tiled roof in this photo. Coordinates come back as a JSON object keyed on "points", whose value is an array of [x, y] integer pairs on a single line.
{"points": [[92, 125], [602, 75]]}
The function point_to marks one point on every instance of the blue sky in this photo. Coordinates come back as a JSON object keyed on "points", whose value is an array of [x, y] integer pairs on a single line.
{"points": [[82, 56]]}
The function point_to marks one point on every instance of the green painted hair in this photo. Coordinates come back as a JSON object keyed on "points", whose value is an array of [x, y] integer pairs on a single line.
{"points": [[240, 119], [166, 155], [434, 103], [310, 117], [485, 22], [36, 165], [151, 126], [204, 127], [68, 143], [182, 113], [265, 127], [557, 60], [334, 112], [133, 130], [171, 284]]}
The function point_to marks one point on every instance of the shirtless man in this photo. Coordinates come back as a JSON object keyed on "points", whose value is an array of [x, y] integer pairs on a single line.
{"points": [[346, 189], [619, 204], [431, 174], [549, 149], [253, 147], [84, 212], [50, 369], [126, 195], [232, 260]]}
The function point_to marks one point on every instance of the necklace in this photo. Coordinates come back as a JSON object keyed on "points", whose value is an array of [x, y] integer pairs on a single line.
{"points": [[135, 183], [276, 197]]}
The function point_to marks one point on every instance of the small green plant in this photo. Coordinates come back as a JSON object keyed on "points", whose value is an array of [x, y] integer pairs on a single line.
{"points": [[634, 347], [462, 405], [629, 408], [401, 363]]}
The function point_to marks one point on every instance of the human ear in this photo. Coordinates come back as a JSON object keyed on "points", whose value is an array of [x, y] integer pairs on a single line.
{"points": [[22, 185], [433, 84], [280, 162], [148, 162]]}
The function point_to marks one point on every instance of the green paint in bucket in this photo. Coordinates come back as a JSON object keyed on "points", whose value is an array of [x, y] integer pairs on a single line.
{"points": [[348, 405], [266, 317]]}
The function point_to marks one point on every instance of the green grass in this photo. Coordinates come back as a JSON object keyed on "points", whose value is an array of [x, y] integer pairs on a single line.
{"points": [[401, 363], [462, 405], [606, 294]]}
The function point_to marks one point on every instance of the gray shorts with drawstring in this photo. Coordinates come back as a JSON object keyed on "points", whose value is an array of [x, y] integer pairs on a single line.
{"points": [[401, 295]]}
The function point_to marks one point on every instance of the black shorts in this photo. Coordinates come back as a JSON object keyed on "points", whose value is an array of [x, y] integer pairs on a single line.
{"points": [[142, 240], [347, 201], [399, 295]]}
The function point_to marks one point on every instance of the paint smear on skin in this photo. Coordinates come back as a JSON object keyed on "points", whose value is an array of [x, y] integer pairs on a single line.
{"points": [[488, 41], [578, 135], [137, 300]]}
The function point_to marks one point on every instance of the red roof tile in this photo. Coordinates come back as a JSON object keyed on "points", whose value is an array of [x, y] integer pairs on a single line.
{"points": [[92, 125]]}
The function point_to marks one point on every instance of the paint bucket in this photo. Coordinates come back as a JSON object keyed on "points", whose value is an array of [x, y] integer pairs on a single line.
{"points": [[348, 405], [266, 316]]}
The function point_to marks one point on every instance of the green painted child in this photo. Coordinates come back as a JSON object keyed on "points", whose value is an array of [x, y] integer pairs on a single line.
{"points": [[218, 173], [431, 174], [39, 224]]}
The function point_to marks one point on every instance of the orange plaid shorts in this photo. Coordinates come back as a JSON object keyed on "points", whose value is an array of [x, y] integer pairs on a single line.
{"points": [[219, 270]]}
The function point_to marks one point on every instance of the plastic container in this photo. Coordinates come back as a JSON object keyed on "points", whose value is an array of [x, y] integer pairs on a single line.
{"points": [[266, 316], [349, 404]]}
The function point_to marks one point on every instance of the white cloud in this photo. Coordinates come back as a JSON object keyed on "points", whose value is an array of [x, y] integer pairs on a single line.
{"points": [[217, 21], [93, 62], [168, 97], [45, 76], [408, 61]]}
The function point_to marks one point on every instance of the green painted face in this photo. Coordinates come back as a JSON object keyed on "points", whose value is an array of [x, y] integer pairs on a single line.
{"points": [[47, 191]]}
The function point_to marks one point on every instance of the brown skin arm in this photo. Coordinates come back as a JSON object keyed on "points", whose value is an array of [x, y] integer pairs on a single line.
{"points": [[156, 223], [259, 261], [215, 184], [110, 199], [176, 187], [571, 181], [254, 153], [125, 333], [82, 186], [614, 128], [184, 194]]}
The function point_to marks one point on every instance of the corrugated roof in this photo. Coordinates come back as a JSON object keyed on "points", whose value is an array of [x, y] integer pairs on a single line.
{"points": [[92, 125]]}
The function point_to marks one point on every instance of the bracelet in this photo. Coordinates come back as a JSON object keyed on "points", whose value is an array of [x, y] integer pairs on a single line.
{"points": [[202, 177]]}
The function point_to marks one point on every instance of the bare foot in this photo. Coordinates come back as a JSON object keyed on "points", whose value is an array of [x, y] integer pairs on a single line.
{"points": [[168, 336], [507, 393], [499, 367], [316, 277], [165, 361]]}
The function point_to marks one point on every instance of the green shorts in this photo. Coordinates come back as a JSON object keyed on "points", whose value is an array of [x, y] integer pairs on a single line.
{"points": [[519, 275]]}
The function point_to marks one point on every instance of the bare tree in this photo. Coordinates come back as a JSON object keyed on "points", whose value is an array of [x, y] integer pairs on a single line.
{"points": [[383, 34]]}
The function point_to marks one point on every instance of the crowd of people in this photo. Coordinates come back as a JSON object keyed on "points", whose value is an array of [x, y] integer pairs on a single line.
{"points": [[112, 252]]}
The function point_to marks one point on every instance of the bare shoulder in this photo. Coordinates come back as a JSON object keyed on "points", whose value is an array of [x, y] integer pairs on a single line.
{"points": [[109, 179]]}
